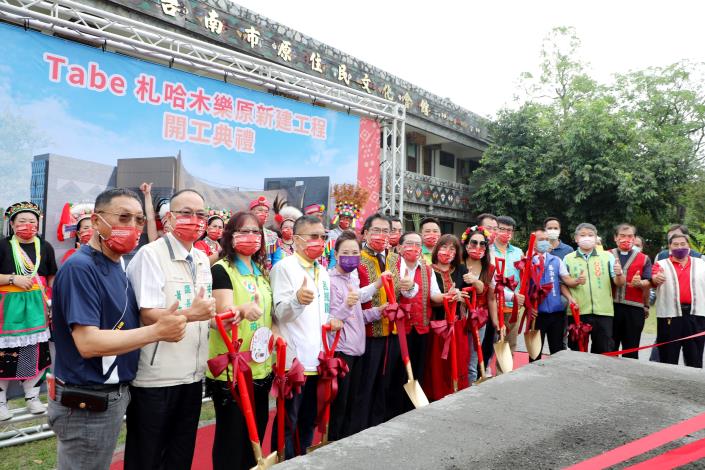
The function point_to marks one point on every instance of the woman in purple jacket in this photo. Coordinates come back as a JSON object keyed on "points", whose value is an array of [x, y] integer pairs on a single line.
{"points": [[346, 305]]}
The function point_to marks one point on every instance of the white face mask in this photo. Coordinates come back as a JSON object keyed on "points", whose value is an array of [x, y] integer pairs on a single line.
{"points": [[553, 233], [586, 243]]}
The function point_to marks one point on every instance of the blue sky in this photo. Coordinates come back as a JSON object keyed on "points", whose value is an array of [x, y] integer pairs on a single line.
{"points": [[102, 127]]}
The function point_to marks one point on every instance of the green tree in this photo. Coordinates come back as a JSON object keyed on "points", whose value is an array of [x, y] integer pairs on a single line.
{"points": [[584, 151]]}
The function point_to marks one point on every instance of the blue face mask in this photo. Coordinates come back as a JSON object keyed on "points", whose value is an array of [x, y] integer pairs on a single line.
{"points": [[542, 246], [349, 263]]}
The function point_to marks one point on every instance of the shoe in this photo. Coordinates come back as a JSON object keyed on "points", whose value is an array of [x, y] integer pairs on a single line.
{"points": [[35, 406], [4, 412]]}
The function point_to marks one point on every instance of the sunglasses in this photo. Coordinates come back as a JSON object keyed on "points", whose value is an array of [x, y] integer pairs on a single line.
{"points": [[482, 243]]}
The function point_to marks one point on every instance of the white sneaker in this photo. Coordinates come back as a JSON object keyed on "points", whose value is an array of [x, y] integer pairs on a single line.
{"points": [[35, 406], [4, 412]]}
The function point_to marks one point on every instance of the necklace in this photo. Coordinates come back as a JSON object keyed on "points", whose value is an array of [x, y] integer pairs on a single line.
{"points": [[23, 264]]}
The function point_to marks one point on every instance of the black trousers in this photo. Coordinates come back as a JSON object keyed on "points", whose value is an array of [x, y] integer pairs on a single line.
{"points": [[341, 410], [161, 426], [678, 327], [231, 445], [600, 336], [300, 420], [488, 343], [628, 323], [377, 366], [552, 328], [398, 401]]}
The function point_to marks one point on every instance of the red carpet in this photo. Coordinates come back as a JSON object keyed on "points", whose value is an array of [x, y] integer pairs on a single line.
{"points": [[204, 439]]}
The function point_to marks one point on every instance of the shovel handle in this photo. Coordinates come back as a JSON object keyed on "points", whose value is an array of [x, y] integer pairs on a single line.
{"points": [[223, 333], [281, 370], [575, 310], [528, 266], [247, 409], [281, 356], [388, 284], [471, 303], [329, 350], [450, 306], [478, 347]]}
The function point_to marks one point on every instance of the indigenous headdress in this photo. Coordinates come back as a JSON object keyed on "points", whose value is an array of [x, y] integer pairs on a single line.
{"points": [[349, 200], [314, 208], [24, 206], [71, 217], [283, 211], [260, 201], [474, 228], [222, 214]]}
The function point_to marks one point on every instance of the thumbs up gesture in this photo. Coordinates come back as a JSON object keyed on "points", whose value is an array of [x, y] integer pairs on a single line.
{"points": [[617, 267], [202, 308], [251, 311], [171, 326], [636, 279], [304, 295], [407, 283], [353, 298]]}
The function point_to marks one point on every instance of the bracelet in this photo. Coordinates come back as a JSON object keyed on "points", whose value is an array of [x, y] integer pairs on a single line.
{"points": [[12, 279]]}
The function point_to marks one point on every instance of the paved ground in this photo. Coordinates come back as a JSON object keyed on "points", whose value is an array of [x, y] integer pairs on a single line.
{"points": [[550, 414]]}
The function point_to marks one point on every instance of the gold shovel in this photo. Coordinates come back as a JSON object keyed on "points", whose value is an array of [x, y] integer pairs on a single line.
{"points": [[532, 340]]}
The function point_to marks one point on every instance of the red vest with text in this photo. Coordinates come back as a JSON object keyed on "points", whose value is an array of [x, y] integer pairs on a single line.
{"points": [[627, 294], [420, 305]]}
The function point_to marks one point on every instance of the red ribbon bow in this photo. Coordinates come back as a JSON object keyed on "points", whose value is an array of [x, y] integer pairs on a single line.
{"points": [[394, 312], [240, 362], [284, 386], [329, 370], [445, 330]]}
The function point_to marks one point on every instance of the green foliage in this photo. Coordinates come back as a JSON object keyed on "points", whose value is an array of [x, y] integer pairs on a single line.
{"points": [[586, 152]]}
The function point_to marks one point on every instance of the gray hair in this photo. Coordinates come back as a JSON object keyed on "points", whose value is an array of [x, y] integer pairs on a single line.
{"points": [[587, 226]]}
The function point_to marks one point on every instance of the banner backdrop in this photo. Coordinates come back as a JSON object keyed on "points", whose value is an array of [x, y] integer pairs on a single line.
{"points": [[65, 98]]}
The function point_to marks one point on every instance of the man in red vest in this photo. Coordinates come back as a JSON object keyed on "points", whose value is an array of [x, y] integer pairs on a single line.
{"points": [[630, 308]]}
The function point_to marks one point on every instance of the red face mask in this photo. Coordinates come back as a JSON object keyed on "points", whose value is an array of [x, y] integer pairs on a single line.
{"points": [[122, 240], [25, 231], [344, 224], [476, 253], [491, 237], [189, 228], [430, 240], [287, 233], [378, 242], [394, 239], [504, 237], [86, 236], [314, 249], [247, 245], [625, 245], [262, 217], [446, 256], [215, 233], [411, 253]]}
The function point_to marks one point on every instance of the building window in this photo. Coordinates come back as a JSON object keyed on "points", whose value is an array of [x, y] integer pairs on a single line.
{"points": [[412, 158], [428, 161], [38, 182], [447, 159]]}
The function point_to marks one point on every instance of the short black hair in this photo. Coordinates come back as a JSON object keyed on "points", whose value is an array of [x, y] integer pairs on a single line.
{"points": [[678, 235], [344, 237], [681, 227], [187, 190], [406, 234], [483, 216], [377, 215], [429, 220], [306, 220], [624, 226], [394, 218], [549, 219], [506, 220], [107, 196]]}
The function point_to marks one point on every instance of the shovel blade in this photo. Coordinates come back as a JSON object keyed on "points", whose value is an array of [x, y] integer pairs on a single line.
{"points": [[263, 463], [532, 339], [416, 394], [505, 361]]}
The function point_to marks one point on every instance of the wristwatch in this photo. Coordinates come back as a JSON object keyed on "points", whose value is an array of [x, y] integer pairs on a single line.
{"points": [[12, 279]]}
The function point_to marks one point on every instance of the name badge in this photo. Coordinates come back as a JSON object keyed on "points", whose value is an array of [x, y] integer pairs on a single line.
{"points": [[260, 345]]}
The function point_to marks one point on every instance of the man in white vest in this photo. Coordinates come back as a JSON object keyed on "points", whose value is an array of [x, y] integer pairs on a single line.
{"points": [[680, 303], [162, 418]]}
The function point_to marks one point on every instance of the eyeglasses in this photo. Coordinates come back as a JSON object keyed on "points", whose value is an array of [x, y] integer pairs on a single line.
{"points": [[412, 244], [190, 213], [379, 231], [248, 232], [505, 229], [125, 218], [477, 243], [313, 236]]}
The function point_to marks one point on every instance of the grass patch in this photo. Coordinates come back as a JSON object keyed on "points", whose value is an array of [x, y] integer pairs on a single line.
{"points": [[42, 454]]}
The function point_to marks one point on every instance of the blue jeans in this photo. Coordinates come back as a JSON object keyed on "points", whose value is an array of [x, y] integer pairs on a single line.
{"points": [[87, 439], [472, 367]]}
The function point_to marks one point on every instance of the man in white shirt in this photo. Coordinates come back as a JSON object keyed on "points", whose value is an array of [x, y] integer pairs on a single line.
{"points": [[301, 290], [162, 418]]}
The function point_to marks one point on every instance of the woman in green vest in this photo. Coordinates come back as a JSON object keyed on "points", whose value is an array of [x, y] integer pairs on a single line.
{"points": [[241, 284]]}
